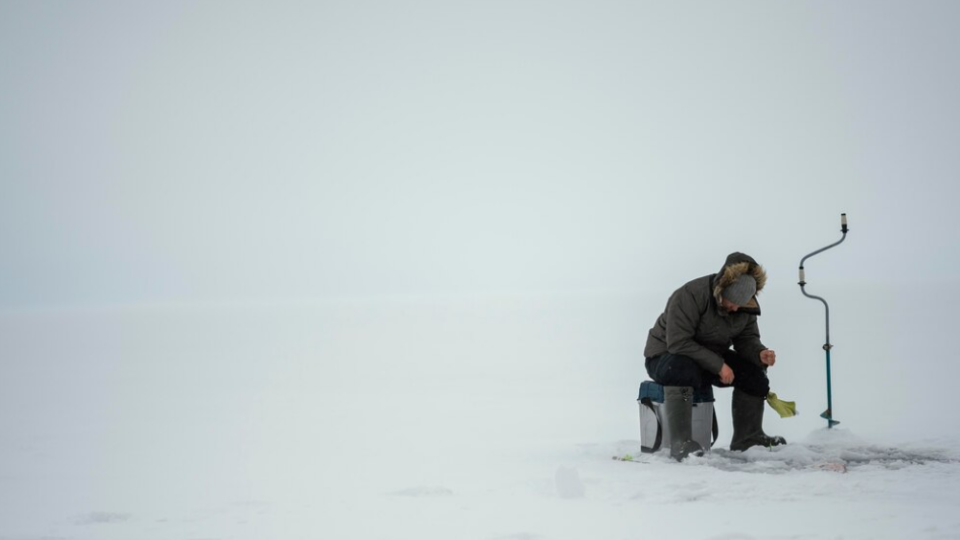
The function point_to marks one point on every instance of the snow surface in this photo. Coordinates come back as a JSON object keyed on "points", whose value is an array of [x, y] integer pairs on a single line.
{"points": [[430, 419], [203, 156]]}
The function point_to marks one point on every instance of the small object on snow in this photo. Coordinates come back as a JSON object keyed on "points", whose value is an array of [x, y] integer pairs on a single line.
{"points": [[832, 466], [568, 482], [629, 458], [785, 409]]}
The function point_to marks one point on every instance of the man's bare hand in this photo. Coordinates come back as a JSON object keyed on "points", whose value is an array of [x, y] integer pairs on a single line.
{"points": [[768, 357], [726, 374]]}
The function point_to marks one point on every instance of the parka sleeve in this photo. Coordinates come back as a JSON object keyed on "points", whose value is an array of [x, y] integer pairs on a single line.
{"points": [[682, 317], [747, 343]]}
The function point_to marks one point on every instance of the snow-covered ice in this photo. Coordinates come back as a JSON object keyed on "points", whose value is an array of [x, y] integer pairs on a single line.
{"points": [[384, 270], [465, 418]]}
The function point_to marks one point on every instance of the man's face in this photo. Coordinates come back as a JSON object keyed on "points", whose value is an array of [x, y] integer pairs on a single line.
{"points": [[728, 306]]}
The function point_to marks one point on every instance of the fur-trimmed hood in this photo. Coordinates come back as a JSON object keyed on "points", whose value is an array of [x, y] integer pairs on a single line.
{"points": [[736, 265]]}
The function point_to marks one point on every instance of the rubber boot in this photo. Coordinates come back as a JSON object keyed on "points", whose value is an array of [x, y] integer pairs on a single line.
{"points": [[678, 417], [748, 423]]}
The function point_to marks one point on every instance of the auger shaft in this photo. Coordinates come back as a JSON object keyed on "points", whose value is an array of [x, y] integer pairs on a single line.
{"points": [[828, 414]]}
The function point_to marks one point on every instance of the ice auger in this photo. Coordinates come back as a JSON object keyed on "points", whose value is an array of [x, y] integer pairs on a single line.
{"points": [[827, 414]]}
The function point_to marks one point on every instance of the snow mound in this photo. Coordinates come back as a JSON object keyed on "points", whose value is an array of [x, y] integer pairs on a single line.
{"points": [[569, 485]]}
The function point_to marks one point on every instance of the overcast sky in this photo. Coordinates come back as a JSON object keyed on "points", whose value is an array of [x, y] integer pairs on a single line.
{"points": [[232, 151]]}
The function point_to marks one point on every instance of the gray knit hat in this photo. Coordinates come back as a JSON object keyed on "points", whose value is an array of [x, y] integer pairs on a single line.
{"points": [[741, 291]]}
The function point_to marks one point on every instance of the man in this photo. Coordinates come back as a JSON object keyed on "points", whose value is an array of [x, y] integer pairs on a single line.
{"points": [[690, 347]]}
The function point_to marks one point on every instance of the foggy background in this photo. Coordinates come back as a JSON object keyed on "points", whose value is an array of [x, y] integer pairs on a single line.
{"points": [[213, 152], [239, 236]]}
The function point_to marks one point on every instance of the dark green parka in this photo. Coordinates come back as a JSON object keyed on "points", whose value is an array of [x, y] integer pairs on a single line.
{"points": [[695, 325]]}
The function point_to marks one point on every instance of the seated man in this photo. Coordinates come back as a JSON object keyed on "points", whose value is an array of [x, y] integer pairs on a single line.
{"points": [[690, 347]]}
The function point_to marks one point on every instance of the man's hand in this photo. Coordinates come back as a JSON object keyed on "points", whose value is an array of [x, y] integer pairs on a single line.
{"points": [[768, 357], [726, 374]]}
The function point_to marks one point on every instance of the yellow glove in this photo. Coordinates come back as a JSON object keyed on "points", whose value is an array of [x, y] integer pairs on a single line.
{"points": [[785, 409]]}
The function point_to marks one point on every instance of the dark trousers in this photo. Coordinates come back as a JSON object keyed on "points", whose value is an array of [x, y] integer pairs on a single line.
{"points": [[678, 370]]}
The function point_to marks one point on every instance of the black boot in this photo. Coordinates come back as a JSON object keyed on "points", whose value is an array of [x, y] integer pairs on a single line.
{"points": [[748, 423], [678, 420]]}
